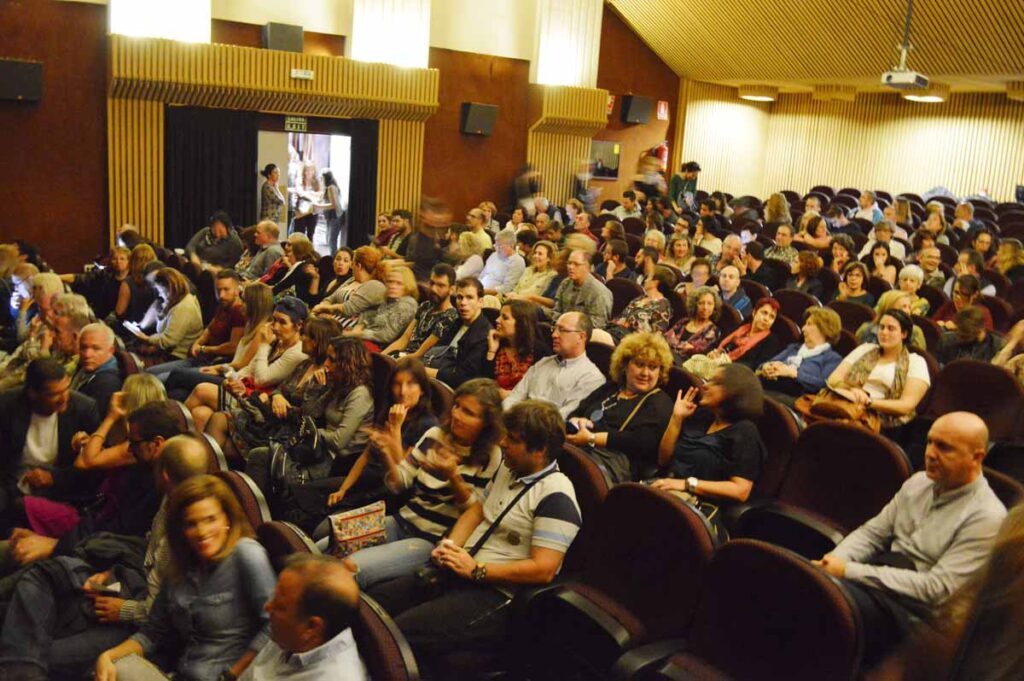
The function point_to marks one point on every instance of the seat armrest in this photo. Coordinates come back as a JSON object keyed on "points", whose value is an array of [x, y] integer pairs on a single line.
{"points": [[638, 660], [790, 527], [608, 624]]}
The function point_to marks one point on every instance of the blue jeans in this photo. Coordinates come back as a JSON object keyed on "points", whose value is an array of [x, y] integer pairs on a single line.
{"points": [[182, 381], [29, 629], [163, 371], [403, 554]]}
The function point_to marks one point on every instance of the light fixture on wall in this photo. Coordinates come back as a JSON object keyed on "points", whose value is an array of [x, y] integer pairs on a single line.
{"points": [[185, 20], [1015, 91], [838, 93], [758, 93], [933, 94]]}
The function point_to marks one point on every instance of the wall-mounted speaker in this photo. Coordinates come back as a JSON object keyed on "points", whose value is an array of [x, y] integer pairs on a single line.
{"points": [[636, 109], [284, 37], [478, 119], [21, 81]]}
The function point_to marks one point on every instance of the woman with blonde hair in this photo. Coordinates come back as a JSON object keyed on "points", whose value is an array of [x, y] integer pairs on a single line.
{"points": [[537, 276], [108, 445], [776, 210], [680, 253], [307, 198], [210, 609], [620, 424], [382, 325], [803, 368], [1010, 259], [890, 300], [296, 272]]}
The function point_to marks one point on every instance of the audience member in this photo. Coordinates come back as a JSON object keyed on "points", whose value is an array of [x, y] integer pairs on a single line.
{"points": [[382, 325], [697, 333], [175, 318], [910, 281], [679, 255], [970, 262], [851, 287], [880, 263], [628, 207], [731, 254], [805, 275], [751, 344], [503, 267], [216, 244], [266, 236], [783, 249], [803, 368], [615, 262], [99, 375], [966, 291], [564, 378], [650, 312], [732, 293], [969, 339], [929, 541], [464, 356], [535, 506], [890, 300], [538, 276], [841, 252], [436, 320], [867, 208], [367, 292], [714, 453], [704, 236], [582, 292], [514, 345], [620, 423], [769, 277], [341, 264]]}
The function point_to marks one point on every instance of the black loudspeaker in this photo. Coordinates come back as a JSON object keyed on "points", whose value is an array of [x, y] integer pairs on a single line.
{"points": [[21, 81], [1020, 193], [284, 37], [478, 119], [636, 109]]}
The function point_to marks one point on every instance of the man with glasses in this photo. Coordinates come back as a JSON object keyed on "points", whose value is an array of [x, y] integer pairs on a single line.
{"points": [[580, 291], [566, 377]]}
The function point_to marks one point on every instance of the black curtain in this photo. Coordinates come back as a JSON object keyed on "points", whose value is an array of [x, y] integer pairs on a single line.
{"points": [[362, 196], [209, 165]]}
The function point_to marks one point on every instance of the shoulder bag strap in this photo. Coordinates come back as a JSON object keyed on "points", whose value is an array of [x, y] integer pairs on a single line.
{"points": [[501, 516], [636, 409]]}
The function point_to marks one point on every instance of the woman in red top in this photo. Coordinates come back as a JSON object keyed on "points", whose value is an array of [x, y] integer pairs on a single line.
{"points": [[514, 344]]}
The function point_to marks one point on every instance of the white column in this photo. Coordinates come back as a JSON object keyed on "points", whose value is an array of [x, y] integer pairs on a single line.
{"points": [[391, 31], [568, 40]]}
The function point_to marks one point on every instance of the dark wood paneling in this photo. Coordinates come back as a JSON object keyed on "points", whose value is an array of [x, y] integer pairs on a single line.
{"points": [[250, 35], [467, 169], [627, 66], [53, 153]]}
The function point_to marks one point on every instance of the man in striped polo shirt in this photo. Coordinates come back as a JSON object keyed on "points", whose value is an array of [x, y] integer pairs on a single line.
{"points": [[522, 546]]}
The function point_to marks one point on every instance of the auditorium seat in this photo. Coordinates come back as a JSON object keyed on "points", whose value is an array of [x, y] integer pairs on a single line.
{"points": [[930, 330], [877, 286], [634, 242], [828, 191], [936, 298], [1000, 310], [184, 416], [1009, 490], [786, 330], [601, 355], [381, 366], [217, 460], [794, 303], [442, 397], [839, 476], [610, 204], [764, 613], [754, 290], [779, 431], [639, 584], [791, 196], [675, 299], [634, 226], [989, 391], [728, 319], [846, 343], [281, 539], [829, 284], [382, 647], [591, 489], [852, 314], [254, 504]]}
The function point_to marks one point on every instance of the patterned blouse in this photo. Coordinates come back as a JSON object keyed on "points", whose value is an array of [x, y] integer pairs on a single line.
{"points": [[508, 371], [270, 204], [700, 341], [645, 314]]}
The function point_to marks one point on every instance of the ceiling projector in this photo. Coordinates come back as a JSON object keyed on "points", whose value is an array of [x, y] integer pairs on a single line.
{"points": [[902, 79]]}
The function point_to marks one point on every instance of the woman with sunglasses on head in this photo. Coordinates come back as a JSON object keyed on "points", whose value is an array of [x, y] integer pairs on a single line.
{"points": [[620, 424]]}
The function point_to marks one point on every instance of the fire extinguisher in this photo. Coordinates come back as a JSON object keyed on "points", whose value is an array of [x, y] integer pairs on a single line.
{"points": [[661, 152]]}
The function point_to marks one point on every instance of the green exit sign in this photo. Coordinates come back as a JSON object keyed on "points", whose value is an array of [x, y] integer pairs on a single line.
{"points": [[295, 123]]}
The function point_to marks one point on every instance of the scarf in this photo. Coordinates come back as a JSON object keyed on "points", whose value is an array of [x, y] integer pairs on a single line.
{"points": [[741, 341], [862, 368], [805, 353]]}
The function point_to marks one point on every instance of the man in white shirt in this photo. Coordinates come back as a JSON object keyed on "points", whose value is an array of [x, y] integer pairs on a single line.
{"points": [[314, 607], [504, 266], [566, 377], [628, 208]]}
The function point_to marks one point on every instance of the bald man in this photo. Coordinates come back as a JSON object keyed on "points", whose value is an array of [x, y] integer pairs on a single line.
{"points": [[315, 604], [933, 536]]}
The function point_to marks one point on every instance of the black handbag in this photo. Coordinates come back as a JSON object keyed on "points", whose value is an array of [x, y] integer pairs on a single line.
{"points": [[434, 580]]}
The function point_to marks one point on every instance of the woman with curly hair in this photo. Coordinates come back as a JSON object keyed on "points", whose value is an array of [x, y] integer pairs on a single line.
{"points": [[650, 312], [619, 425], [445, 471], [805, 274], [776, 210], [698, 332]]}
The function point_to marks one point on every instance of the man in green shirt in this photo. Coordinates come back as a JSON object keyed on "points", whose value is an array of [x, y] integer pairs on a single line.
{"points": [[683, 187]]}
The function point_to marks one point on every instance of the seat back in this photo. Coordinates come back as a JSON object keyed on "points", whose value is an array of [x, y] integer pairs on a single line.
{"points": [[1009, 491], [623, 291], [779, 432], [829, 284], [634, 226], [591, 489], [876, 286], [930, 330], [754, 290], [381, 367], [786, 330], [214, 453], [184, 416], [634, 243], [989, 391], [442, 397], [1000, 310], [253, 503], [382, 647], [728, 319], [281, 540], [601, 355], [675, 299], [793, 303], [629, 566], [766, 613], [843, 473], [846, 343], [852, 314]]}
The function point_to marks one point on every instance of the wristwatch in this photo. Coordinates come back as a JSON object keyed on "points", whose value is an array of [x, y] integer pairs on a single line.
{"points": [[592, 440], [480, 572], [691, 485]]}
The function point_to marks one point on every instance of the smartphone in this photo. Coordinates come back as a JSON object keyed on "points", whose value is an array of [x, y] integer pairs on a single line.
{"points": [[571, 428], [113, 589]]}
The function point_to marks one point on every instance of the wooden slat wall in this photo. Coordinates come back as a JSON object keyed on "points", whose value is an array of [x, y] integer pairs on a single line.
{"points": [[725, 134], [972, 141], [146, 74], [399, 165], [560, 139], [135, 166]]}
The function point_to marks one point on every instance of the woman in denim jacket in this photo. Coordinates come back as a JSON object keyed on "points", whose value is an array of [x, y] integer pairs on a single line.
{"points": [[211, 602]]}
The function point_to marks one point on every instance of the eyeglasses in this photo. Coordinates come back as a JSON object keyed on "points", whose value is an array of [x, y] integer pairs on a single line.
{"points": [[562, 329]]}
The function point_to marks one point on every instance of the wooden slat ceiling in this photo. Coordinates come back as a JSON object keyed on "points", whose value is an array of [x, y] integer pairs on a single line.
{"points": [[971, 45]]}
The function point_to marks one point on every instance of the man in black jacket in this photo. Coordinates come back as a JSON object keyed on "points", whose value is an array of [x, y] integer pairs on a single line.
{"points": [[38, 424], [468, 350], [99, 375]]}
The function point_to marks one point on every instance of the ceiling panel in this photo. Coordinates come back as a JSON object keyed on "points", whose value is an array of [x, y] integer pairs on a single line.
{"points": [[968, 44]]}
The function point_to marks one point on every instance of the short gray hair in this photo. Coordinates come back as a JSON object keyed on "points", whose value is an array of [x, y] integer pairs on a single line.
{"points": [[100, 327], [506, 237], [912, 272]]}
